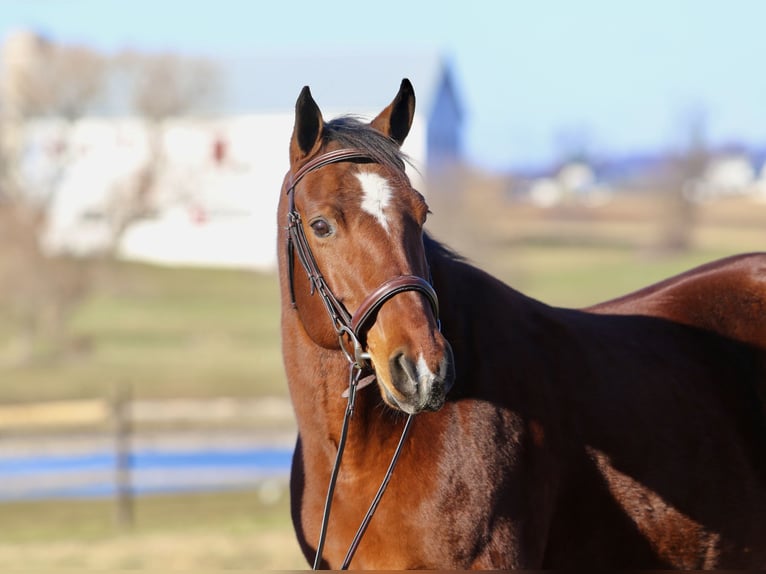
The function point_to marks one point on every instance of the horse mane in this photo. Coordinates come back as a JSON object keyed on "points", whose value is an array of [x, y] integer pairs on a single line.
{"points": [[350, 131], [438, 250]]}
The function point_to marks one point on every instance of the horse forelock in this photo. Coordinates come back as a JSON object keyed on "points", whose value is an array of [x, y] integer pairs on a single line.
{"points": [[351, 132]]}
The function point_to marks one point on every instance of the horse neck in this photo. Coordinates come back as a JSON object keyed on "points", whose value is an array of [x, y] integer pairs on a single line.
{"points": [[475, 304], [317, 378]]}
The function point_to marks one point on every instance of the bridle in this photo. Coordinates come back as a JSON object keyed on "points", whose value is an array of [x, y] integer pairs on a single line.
{"points": [[355, 326], [350, 328]]}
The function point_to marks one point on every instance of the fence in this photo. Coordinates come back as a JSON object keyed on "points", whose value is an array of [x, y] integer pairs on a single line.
{"points": [[95, 413], [229, 428]]}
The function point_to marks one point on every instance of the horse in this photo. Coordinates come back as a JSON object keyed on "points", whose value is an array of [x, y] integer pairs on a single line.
{"points": [[630, 434]]}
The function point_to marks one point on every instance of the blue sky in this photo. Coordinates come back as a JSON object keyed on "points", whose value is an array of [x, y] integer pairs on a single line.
{"points": [[537, 77]]}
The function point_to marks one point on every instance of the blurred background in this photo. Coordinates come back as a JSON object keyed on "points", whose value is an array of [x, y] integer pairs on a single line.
{"points": [[575, 150]]}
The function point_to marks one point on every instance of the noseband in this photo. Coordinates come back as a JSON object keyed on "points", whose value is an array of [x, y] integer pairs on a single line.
{"points": [[352, 327]]}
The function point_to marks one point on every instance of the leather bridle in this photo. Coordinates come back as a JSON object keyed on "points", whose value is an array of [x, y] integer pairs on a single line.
{"points": [[353, 327], [348, 327]]}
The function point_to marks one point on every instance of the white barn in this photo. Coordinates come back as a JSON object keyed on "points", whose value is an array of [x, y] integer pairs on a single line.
{"points": [[219, 189]]}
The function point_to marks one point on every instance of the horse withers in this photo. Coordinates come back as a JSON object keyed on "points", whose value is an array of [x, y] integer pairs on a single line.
{"points": [[631, 434]]}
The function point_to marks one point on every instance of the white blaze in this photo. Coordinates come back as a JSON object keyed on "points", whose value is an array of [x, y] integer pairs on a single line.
{"points": [[376, 195]]}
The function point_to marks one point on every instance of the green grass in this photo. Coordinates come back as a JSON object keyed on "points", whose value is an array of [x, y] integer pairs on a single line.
{"points": [[204, 333], [169, 333], [93, 519], [220, 530], [210, 333], [579, 277]]}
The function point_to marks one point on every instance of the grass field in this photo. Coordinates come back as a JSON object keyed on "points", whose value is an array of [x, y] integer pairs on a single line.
{"points": [[167, 332], [202, 333], [202, 532]]}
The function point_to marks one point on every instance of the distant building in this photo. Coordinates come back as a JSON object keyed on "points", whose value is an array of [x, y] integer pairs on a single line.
{"points": [[355, 82], [725, 175], [574, 182], [444, 143], [215, 203]]}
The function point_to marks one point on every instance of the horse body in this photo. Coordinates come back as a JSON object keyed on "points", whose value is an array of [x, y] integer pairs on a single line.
{"points": [[737, 310], [630, 464], [631, 434]]}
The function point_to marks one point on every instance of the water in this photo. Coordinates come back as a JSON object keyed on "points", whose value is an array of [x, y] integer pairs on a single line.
{"points": [[91, 475]]}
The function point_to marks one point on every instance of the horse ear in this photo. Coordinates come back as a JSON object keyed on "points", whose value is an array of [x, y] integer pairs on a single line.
{"points": [[307, 131], [396, 120]]}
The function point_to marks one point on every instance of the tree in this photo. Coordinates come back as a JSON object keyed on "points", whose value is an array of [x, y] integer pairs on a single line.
{"points": [[162, 86], [38, 291], [686, 170], [42, 79]]}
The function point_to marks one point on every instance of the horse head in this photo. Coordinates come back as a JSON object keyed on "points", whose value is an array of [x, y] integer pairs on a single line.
{"points": [[357, 226]]}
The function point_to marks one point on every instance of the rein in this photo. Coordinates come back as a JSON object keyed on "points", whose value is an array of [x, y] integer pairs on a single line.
{"points": [[348, 327]]}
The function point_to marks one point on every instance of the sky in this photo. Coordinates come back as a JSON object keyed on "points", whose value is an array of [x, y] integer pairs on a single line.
{"points": [[538, 79]]}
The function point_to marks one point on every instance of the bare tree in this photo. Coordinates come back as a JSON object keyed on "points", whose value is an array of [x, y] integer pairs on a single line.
{"points": [[168, 85], [66, 81], [38, 291], [44, 79], [686, 169], [162, 86]]}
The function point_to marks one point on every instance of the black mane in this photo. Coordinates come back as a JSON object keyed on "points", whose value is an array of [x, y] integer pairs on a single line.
{"points": [[437, 249]]}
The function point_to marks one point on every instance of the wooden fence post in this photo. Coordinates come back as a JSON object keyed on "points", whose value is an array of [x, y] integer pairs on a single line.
{"points": [[123, 489]]}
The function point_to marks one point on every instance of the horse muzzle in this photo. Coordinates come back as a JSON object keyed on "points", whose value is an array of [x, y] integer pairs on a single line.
{"points": [[416, 386]]}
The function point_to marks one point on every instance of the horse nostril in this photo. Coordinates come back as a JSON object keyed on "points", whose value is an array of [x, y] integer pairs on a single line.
{"points": [[403, 373]]}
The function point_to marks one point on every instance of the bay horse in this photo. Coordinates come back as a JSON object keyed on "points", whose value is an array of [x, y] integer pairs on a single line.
{"points": [[631, 434]]}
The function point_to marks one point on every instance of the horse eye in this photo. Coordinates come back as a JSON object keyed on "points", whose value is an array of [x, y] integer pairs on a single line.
{"points": [[321, 228]]}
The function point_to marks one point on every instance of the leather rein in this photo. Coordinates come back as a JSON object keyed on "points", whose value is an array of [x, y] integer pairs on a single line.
{"points": [[349, 328]]}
